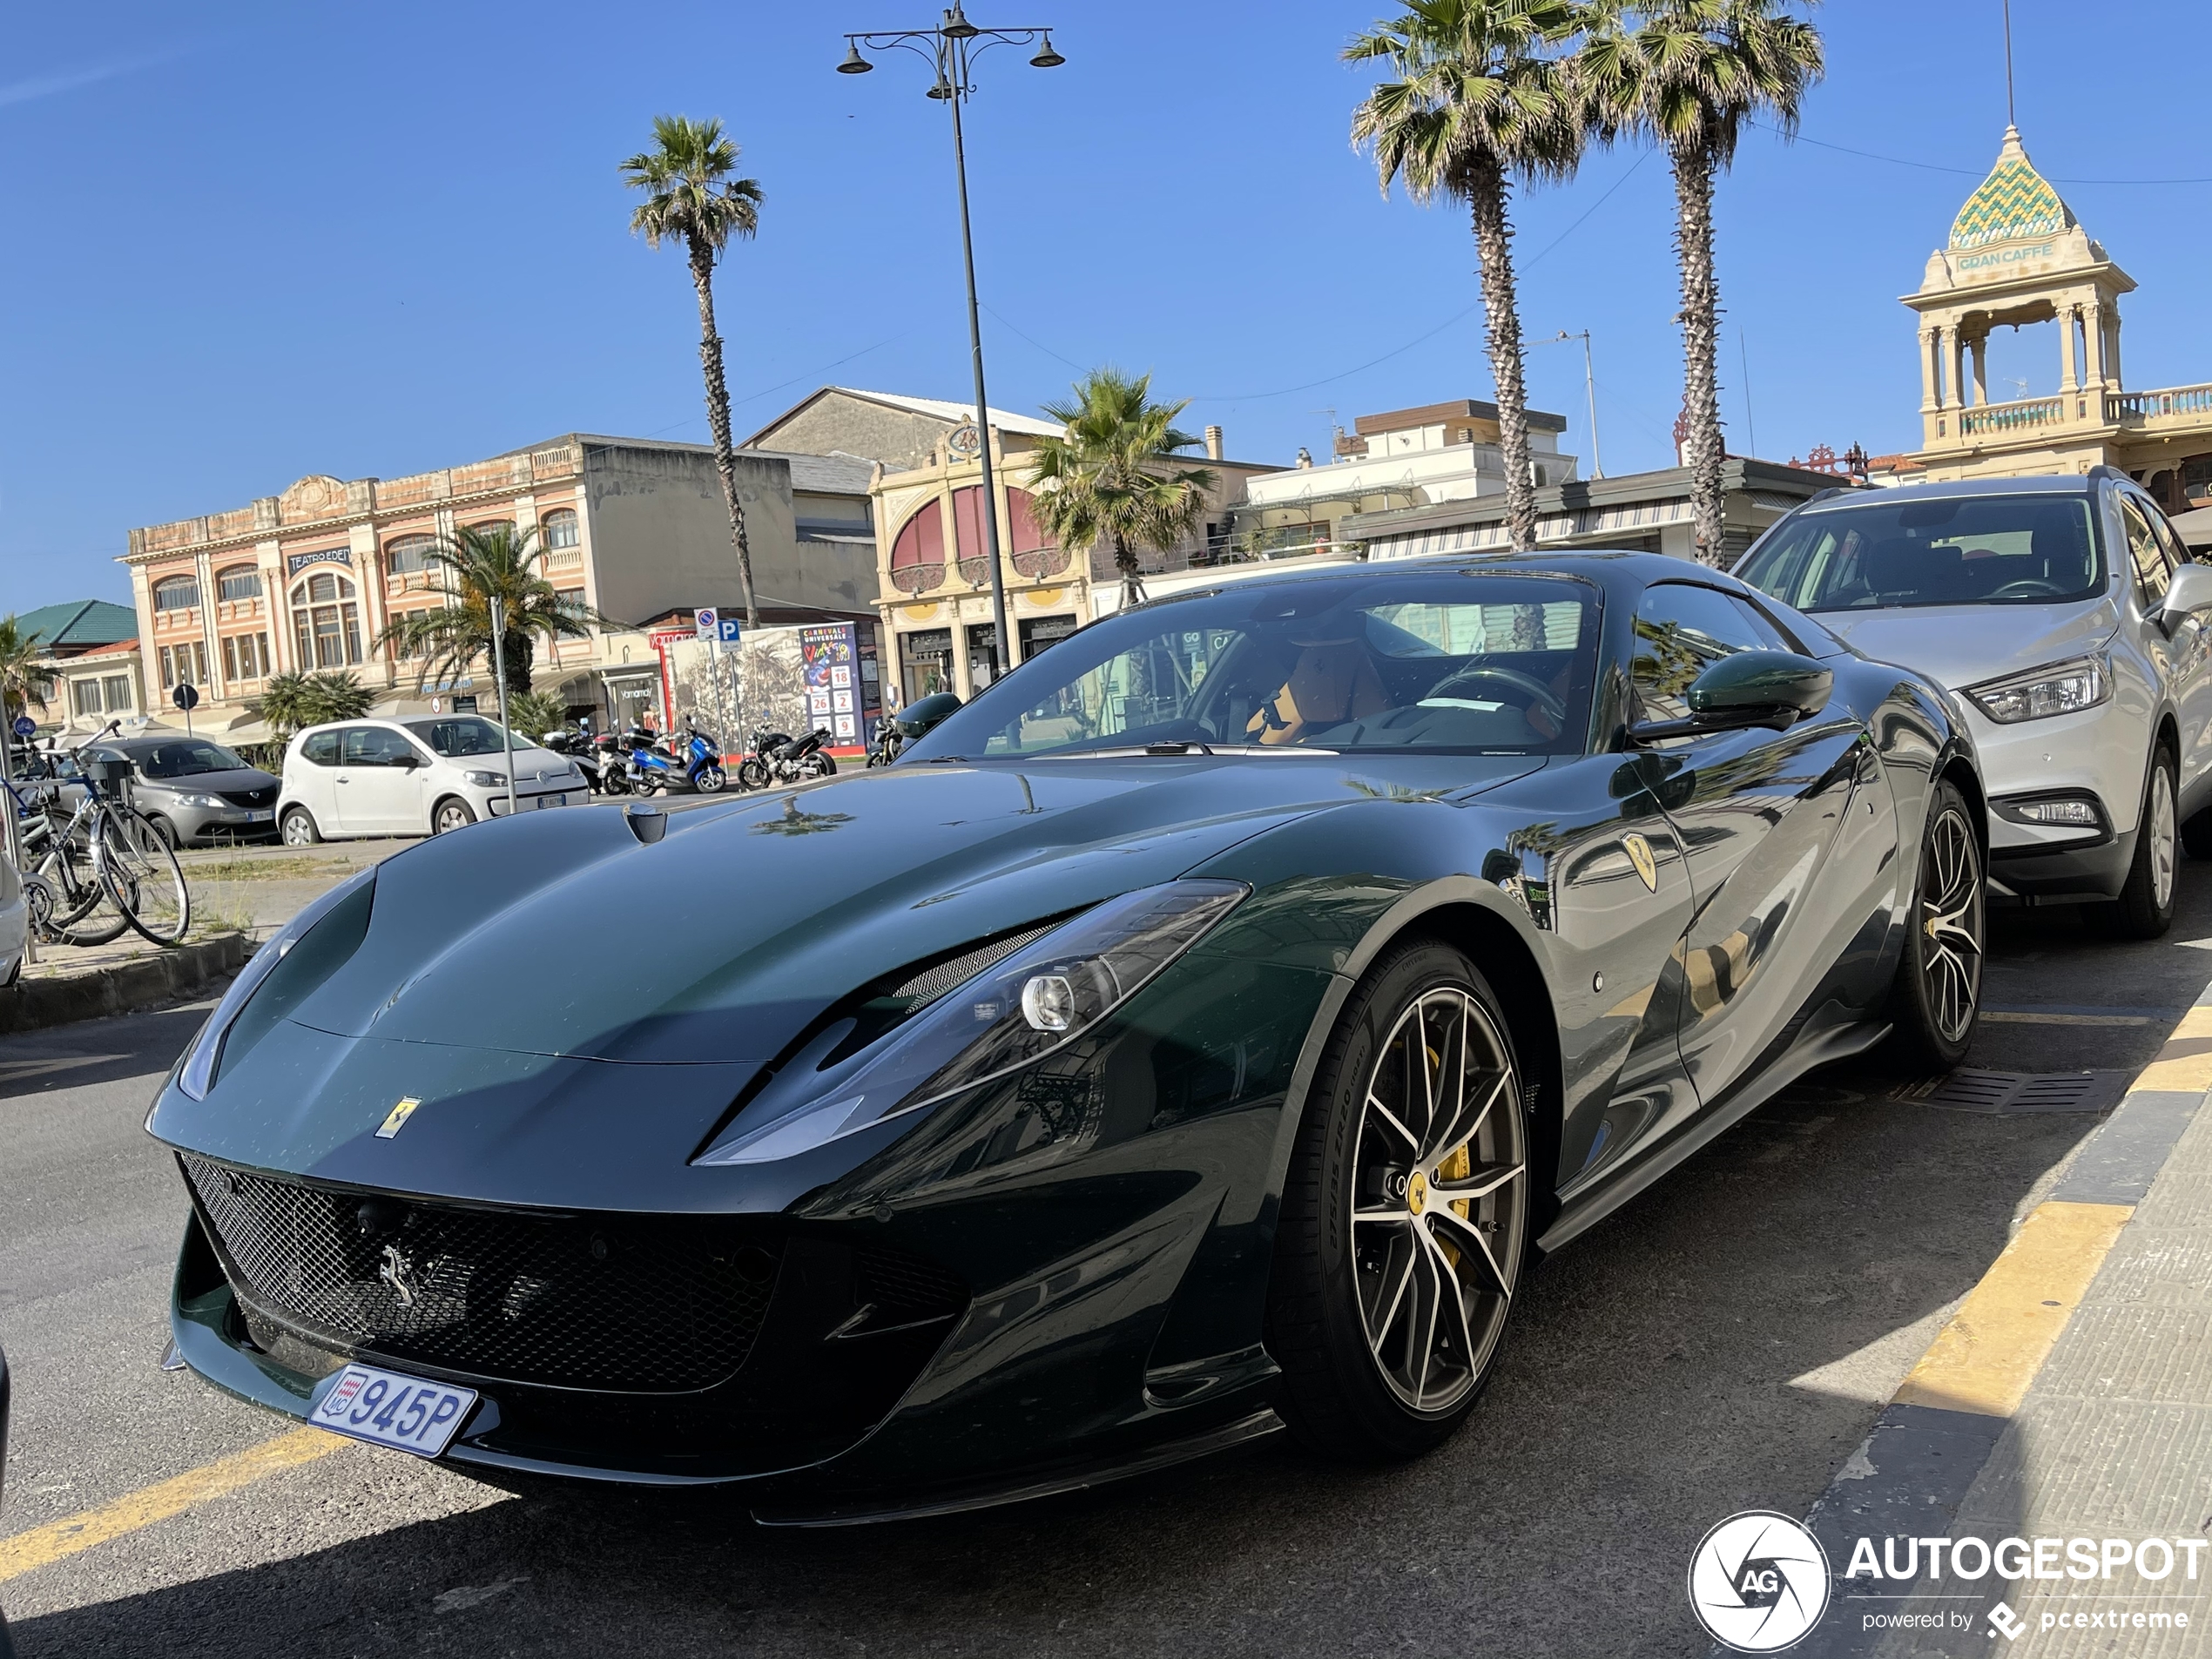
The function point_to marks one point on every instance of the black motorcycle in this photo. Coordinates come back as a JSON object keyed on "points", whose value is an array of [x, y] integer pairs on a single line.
{"points": [[779, 758]]}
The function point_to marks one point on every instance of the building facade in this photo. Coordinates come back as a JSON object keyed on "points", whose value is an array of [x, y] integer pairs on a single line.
{"points": [[2016, 258], [308, 580], [92, 648], [934, 579]]}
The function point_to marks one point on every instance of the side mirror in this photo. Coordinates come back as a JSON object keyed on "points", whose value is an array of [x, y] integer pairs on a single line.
{"points": [[1769, 688], [916, 718], [2188, 593]]}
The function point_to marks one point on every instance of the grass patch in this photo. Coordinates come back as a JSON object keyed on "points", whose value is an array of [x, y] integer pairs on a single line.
{"points": [[266, 869]]}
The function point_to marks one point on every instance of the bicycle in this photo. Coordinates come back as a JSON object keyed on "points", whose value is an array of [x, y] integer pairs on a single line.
{"points": [[132, 864]]}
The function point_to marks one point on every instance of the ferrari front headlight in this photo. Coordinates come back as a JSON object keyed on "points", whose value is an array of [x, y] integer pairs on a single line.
{"points": [[1017, 1010], [2056, 688]]}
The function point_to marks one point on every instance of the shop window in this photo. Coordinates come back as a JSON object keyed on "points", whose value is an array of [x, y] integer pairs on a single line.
{"points": [[176, 593], [1038, 632], [925, 662]]}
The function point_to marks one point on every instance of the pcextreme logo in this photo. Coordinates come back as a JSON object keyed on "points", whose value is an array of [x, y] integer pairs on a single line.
{"points": [[1759, 1582]]}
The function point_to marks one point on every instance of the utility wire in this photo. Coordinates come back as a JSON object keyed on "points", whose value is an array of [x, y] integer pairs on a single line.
{"points": [[1963, 172], [754, 397]]}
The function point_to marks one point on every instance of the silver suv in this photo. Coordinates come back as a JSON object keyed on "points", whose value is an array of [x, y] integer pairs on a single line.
{"points": [[2068, 617]]}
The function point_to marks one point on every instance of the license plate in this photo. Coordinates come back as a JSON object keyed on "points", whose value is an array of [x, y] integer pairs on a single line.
{"points": [[386, 1408], [261, 817], [552, 800]]}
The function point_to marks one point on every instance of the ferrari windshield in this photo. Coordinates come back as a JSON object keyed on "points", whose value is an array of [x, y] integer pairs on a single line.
{"points": [[1938, 551], [1470, 663]]}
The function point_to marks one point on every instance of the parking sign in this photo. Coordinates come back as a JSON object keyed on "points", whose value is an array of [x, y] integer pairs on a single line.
{"points": [[730, 631], [703, 622]]}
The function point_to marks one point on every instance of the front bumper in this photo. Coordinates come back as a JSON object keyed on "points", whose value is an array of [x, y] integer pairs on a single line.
{"points": [[493, 803], [2100, 753], [204, 827]]}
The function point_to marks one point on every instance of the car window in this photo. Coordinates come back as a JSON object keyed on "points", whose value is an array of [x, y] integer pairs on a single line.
{"points": [[374, 746], [2016, 547], [1458, 661], [1680, 630], [461, 734], [183, 758], [321, 748], [2177, 552], [2151, 573]]}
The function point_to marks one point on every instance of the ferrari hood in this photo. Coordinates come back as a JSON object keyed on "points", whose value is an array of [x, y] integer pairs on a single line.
{"points": [[559, 935]]}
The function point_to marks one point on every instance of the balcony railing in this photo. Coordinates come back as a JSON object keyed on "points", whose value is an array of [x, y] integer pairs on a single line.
{"points": [[2026, 415], [2139, 409]]}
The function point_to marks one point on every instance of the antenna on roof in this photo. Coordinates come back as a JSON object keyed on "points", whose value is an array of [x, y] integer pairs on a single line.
{"points": [[2011, 118]]}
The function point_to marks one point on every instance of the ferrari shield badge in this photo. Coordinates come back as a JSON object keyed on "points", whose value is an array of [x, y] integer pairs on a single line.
{"points": [[395, 1120], [1639, 855]]}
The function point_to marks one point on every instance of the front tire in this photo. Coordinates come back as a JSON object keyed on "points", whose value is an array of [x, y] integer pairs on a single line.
{"points": [[452, 813], [299, 827], [1935, 1001], [752, 774], [1405, 1214], [2145, 907], [709, 780]]}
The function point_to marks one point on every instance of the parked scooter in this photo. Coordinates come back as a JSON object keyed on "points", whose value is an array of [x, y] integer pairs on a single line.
{"points": [[702, 755], [777, 758], [651, 770]]}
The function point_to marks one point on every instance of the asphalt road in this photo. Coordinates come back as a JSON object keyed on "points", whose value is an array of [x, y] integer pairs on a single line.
{"points": [[1723, 1342]]}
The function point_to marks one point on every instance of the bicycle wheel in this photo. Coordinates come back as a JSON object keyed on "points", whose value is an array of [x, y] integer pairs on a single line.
{"points": [[81, 911], [143, 878]]}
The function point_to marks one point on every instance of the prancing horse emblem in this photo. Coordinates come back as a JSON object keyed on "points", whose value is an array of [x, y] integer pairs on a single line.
{"points": [[395, 1120], [394, 1272], [1639, 855]]}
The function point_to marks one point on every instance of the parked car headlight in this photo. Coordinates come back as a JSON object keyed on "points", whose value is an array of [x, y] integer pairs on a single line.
{"points": [[1017, 1010], [210, 803], [298, 957], [2056, 688], [488, 779]]}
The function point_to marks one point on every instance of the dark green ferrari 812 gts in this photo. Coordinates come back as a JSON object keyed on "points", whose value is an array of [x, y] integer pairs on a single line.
{"points": [[1199, 1033]]}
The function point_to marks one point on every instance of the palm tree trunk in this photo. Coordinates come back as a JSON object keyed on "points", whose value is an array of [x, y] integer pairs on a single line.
{"points": [[718, 420], [1501, 326], [1132, 575], [1700, 342]]}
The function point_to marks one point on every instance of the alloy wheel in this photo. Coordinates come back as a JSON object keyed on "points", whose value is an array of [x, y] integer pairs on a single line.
{"points": [[1951, 918], [1439, 1198], [2162, 837]]}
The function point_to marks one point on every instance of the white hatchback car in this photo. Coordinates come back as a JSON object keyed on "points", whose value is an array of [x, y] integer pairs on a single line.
{"points": [[416, 776]]}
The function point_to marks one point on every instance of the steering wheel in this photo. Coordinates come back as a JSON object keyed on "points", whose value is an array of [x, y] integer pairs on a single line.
{"points": [[1534, 692], [2028, 587]]}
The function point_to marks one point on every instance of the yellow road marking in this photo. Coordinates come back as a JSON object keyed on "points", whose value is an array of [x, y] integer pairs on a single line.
{"points": [[1985, 1358], [127, 1513]]}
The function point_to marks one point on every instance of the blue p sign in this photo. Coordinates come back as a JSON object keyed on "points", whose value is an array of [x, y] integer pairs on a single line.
{"points": [[730, 631]]}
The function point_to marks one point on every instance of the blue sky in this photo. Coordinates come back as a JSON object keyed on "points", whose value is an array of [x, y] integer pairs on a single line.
{"points": [[248, 242]]}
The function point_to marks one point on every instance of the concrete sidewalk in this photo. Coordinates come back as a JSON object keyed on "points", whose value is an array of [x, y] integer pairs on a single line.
{"points": [[2063, 1419]]}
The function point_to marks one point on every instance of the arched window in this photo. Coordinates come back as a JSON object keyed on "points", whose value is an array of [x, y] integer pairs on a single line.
{"points": [[918, 554], [967, 529], [176, 593], [238, 582], [408, 555], [1036, 553], [492, 524], [560, 529], [326, 621]]}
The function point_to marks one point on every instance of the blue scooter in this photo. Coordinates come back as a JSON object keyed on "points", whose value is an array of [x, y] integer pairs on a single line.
{"points": [[702, 759]]}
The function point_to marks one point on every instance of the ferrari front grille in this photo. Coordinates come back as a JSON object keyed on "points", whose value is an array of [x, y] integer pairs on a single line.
{"points": [[640, 1303]]}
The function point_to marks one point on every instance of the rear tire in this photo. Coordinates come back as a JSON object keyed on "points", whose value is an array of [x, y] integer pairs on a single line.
{"points": [[2145, 907], [1935, 1001], [1390, 1296]]}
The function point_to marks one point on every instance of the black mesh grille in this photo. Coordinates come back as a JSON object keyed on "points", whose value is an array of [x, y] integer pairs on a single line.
{"points": [[651, 1303], [262, 797], [904, 1288]]}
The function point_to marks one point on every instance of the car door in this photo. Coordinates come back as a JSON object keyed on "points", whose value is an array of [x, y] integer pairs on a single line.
{"points": [[379, 784], [311, 779], [1779, 896], [2182, 654]]}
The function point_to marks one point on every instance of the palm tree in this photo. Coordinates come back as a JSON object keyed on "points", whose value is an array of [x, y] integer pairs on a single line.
{"points": [[24, 678], [291, 701], [1688, 74], [1474, 101], [693, 198], [1112, 475], [476, 566]]}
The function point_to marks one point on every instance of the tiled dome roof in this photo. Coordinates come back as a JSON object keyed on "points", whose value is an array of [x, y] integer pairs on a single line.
{"points": [[2015, 200]]}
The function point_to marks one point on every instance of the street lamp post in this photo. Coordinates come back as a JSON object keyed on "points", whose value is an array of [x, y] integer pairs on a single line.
{"points": [[1589, 389], [949, 48]]}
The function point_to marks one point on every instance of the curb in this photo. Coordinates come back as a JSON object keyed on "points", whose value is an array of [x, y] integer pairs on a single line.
{"points": [[1913, 1471], [121, 988]]}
